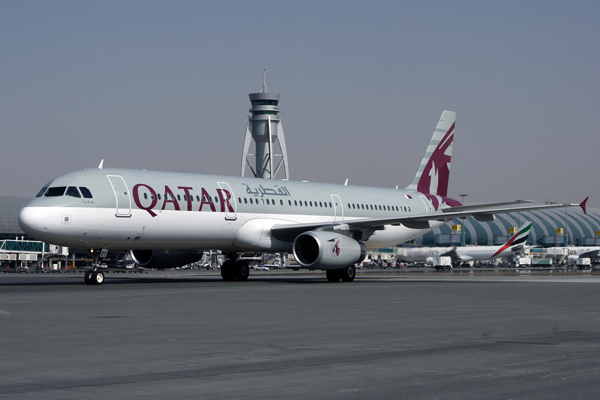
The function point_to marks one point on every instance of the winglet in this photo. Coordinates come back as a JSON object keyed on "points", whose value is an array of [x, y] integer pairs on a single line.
{"points": [[583, 205]]}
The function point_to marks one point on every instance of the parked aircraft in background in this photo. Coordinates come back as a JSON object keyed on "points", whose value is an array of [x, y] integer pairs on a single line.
{"points": [[573, 253], [461, 254], [165, 218]]}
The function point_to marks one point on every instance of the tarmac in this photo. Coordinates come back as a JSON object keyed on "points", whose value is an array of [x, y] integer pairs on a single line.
{"points": [[293, 335]]}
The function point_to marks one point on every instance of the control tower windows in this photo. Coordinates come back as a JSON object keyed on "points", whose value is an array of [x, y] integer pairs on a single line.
{"points": [[265, 102]]}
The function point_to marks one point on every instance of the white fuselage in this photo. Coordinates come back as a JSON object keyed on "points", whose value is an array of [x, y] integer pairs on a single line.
{"points": [[138, 209]]}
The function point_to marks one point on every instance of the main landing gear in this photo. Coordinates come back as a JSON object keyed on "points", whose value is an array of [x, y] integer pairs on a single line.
{"points": [[235, 270], [345, 274], [94, 276]]}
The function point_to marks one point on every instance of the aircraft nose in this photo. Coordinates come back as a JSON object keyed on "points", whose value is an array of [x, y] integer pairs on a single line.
{"points": [[34, 220]]}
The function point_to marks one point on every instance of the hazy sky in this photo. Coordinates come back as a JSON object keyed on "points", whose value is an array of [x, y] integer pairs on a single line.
{"points": [[164, 85]]}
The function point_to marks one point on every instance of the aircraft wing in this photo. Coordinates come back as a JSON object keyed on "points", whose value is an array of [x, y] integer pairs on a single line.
{"points": [[590, 254], [362, 229]]}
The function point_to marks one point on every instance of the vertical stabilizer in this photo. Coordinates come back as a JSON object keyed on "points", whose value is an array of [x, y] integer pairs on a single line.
{"points": [[434, 171], [518, 238]]}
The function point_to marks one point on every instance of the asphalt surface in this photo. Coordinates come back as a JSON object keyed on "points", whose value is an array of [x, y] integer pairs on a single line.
{"points": [[188, 334]]}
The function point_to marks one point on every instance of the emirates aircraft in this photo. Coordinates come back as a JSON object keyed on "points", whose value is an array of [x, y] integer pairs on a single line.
{"points": [[166, 219], [468, 253]]}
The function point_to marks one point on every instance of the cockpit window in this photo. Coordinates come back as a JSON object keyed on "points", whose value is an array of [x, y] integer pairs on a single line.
{"points": [[85, 192], [56, 191], [41, 192], [73, 192]]}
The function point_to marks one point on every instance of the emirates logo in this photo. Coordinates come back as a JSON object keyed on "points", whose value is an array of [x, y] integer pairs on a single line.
{"points": [[336, 248]]}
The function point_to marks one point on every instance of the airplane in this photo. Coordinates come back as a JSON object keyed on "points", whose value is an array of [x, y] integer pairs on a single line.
{"points": [[465, 254], [166, 219], [573, 253]]}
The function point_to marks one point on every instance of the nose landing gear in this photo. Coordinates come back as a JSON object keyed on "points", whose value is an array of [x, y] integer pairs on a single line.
{"points": [[93, 276]]}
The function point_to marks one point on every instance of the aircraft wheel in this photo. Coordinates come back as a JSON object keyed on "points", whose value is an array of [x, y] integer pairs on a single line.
{"points": [[227, 271], [88, 277], [347, 274], [333, 275], [98, 278], [241, 271]]}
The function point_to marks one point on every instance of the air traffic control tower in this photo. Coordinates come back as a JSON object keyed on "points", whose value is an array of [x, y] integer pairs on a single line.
{"points": [[264, 127]]}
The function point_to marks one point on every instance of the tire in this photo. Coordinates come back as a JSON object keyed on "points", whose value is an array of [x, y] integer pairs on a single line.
{"points": [[241, 271], [227, 271], [333, 275], [347, 274], [98, 278], [88, 277]]}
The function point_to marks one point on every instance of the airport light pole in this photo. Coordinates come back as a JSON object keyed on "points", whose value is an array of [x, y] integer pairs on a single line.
{"points": [[462, 231], [519, 201], [566, 226]]}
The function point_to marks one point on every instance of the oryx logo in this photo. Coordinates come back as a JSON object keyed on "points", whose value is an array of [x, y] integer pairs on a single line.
{"points": [[434, 178], [336, 247]]}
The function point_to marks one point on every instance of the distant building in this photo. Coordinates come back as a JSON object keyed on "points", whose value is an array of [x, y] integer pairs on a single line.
{"points": [[581, 229], [9, 213], [265, 129]]}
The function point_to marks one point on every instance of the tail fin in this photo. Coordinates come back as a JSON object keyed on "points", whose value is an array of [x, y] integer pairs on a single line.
{"points": [[519, 238], [434, 171]]}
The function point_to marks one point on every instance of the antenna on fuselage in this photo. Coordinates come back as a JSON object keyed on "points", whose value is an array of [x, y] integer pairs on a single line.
{"points": [[346, 184], [101, 164]]}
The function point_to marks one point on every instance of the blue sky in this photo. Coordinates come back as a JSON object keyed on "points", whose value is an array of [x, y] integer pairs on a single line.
{"points": [[164, 85]]}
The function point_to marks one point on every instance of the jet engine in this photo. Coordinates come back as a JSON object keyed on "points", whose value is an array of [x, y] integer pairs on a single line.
{"points": [[327, 250], [163, 259]]}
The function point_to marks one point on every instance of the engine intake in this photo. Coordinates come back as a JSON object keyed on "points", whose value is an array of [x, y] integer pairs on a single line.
{"points": [[327, 250], [164, 259]]}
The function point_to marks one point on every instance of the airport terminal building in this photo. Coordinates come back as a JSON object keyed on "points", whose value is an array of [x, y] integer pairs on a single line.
{"points": [[548, 229]]}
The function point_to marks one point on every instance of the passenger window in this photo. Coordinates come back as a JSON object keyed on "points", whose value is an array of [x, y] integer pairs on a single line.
{"points": [[41, 192], [56, 191], [245, 201], [145, 196], [73, 192], [281, 202]]}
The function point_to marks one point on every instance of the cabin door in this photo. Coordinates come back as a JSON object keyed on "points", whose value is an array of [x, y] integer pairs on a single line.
{"points": [[338, 208], [227, 199], [122, 196]]}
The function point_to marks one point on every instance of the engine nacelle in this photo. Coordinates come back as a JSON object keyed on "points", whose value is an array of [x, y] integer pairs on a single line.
{"points": [[163, 259], [327, 250]]}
